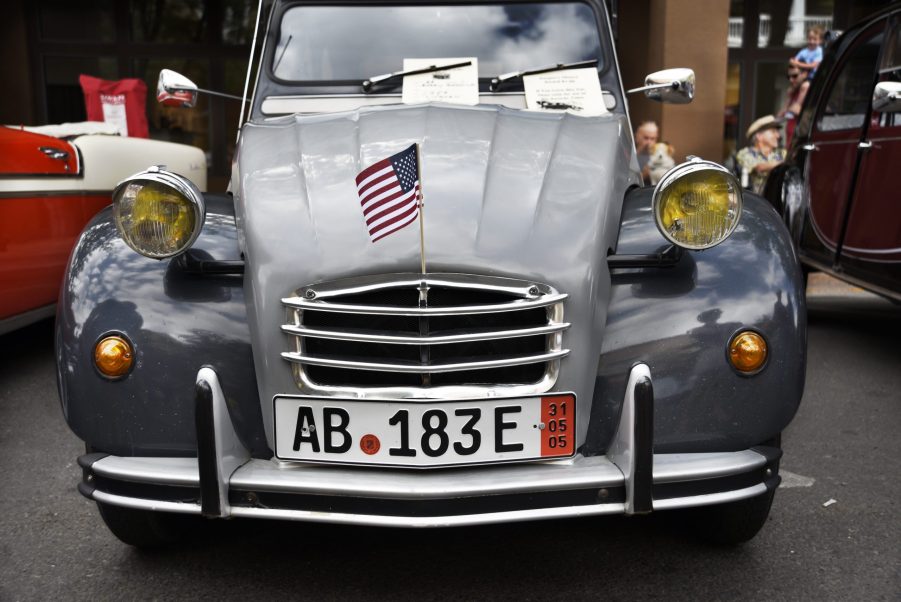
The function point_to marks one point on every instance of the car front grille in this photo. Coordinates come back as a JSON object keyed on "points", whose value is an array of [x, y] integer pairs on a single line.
{"points": [[405, 335]]}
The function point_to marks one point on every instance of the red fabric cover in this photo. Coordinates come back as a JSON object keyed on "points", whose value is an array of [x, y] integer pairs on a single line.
{"points": [[107, 101]]}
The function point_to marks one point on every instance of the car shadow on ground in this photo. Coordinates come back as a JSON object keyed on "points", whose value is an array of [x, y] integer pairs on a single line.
{"points": [[544, 559]]}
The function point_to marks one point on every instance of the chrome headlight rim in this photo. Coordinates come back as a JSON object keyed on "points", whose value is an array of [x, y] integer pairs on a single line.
{"points": [[182, 185], [692, 166]]}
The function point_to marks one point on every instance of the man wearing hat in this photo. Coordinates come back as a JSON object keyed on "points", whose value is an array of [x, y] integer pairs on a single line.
{"points": [[762, 154]]}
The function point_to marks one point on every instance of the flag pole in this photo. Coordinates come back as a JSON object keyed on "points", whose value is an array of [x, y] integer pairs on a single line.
{"points": [[421, 211]]}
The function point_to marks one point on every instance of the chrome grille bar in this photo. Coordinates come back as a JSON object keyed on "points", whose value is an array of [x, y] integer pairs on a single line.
{"points": [[416, 368], [391, 310], [363, 284], [365, 337]]}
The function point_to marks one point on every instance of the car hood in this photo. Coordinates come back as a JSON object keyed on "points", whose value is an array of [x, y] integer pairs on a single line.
{"points": [[506, 192]]}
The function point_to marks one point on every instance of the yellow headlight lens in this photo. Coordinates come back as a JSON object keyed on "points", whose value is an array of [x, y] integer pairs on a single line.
{"points": [[156, 219], [699, 206]]}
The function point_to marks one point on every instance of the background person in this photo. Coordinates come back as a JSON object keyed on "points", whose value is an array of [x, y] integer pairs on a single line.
{"points": [[810, 57], [797, 90], [646, 136], [762, 154]]}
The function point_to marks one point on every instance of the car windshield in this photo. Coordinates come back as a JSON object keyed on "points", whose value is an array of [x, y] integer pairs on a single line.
{"points": [[352, 42]]}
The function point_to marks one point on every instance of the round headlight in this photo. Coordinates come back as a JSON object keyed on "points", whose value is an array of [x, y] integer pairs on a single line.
{"points": [[697, 205], [158, 213]]}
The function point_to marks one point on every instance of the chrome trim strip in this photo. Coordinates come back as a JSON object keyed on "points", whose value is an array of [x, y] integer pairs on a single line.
{"points": [[412, 368], [366, 284], [710, 498], [143, 504], [166, 471], [346, 335], [573, 473], [518, 305], [430, 521], [862, 250], [424, 394], [672, 468]]}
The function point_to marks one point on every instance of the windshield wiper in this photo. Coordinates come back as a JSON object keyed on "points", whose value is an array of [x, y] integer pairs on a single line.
{"points": [[368, 84], [496, 82]]}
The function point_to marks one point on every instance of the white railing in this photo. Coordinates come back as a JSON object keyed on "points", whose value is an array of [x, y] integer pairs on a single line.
{"points": [[798, 26], [796, 34]]}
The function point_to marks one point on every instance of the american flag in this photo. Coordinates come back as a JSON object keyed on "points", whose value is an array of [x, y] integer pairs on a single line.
{"points": [[389, 193]]}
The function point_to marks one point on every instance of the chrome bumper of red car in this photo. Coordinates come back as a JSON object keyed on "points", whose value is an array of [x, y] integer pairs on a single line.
{"points": [[225, 482]]}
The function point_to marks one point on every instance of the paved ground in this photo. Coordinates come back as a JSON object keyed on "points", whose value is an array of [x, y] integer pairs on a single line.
{"points": [[842, 446]]}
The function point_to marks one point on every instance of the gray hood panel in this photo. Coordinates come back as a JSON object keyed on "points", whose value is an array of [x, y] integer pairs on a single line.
{"points": [[509, 193]]}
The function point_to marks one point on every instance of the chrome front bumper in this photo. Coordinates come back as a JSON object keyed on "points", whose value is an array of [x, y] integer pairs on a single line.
{"points": [[225, 482]]}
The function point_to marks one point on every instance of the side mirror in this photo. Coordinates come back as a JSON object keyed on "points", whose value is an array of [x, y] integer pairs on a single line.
{"points": [[675, 86], [175, 90], [887, 97]]}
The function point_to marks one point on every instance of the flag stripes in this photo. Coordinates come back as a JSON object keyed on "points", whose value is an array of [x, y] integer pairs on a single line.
{"points": [[389, 193]]}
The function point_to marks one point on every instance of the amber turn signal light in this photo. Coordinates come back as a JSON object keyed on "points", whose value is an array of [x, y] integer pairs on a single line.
{"points": [[113, 356], [747, 352]]}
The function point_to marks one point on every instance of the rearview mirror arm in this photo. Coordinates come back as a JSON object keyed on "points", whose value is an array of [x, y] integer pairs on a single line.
{"points": [[673, 85]]}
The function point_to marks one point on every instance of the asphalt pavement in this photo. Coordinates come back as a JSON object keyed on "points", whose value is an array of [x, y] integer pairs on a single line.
{"points": [[834, 532]]}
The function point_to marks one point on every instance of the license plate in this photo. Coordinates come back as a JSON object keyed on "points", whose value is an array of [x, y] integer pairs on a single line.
{"points": [[433, 433]]}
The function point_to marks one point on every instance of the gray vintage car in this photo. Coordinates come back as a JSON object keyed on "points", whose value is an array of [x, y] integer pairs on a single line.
{"points": [[434, 312]]}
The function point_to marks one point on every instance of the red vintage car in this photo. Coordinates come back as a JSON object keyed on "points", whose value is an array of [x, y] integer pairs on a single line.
{"points": [[837, 190], [50, 186]]}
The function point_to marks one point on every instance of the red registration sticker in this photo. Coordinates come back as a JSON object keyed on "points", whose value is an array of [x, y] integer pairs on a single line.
{"points": [[557, 437]]}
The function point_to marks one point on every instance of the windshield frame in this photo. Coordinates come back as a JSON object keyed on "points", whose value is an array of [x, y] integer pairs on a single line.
{"points": [[270, 86]]}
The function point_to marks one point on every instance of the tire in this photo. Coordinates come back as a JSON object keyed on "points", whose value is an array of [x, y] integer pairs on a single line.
{"points": [[733, 523], [143, 529]]}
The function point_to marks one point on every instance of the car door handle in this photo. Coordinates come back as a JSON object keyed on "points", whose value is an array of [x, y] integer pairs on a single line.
{"points": [[810, 147], [54, 153], [865, 145]]}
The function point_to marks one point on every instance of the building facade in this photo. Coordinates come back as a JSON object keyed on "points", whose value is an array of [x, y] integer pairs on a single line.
{"points": [[739, 50]]}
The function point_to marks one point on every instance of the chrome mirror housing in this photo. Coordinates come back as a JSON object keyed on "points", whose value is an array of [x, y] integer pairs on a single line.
{"points": [[887, 97], [675, 86], [175, 90]]}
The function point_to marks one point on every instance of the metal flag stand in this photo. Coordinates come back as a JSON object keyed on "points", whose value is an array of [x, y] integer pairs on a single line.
{"points": [[421, 210], [424, 350]]}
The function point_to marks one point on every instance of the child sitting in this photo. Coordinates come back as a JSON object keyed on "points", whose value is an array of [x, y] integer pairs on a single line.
{"points": [[809, 57]]}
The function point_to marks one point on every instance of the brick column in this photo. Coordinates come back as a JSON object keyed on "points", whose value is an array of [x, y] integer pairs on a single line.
{"points": [[659, 34]]}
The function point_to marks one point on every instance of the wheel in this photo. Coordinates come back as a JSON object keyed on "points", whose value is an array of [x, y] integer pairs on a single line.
{"points": [[732, 523], [142, 528]]}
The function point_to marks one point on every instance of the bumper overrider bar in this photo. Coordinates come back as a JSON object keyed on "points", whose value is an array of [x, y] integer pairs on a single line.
{"points": [[224, 481]]}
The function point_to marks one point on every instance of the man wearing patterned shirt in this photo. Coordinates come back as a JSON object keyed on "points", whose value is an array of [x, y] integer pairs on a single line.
{"points": [[762, 154]]}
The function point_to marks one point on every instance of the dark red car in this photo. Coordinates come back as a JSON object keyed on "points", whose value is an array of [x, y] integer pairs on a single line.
{"points": [[839, 190]]}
